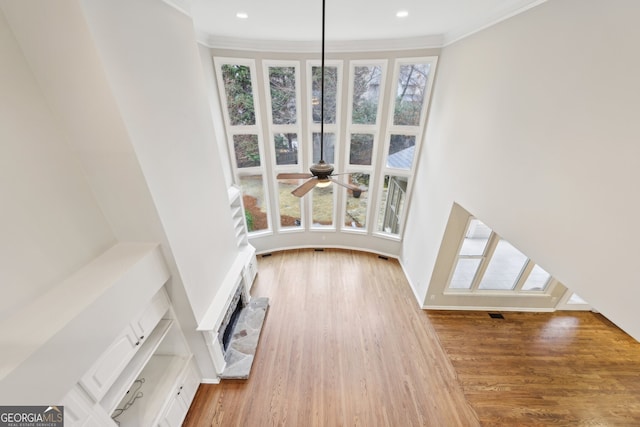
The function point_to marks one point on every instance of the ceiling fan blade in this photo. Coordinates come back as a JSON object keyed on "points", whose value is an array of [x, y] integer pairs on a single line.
{"points": [[305, 187], [293, 176], [349, 186]]}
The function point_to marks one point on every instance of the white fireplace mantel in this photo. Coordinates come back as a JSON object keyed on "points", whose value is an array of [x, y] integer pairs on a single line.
{"points": [[243, 270]]}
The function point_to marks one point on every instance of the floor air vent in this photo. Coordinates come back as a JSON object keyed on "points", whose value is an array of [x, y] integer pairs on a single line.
{"points": [[496, 316]]}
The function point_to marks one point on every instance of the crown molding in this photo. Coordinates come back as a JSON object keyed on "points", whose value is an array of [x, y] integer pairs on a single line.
{"points": [[411, 43], [261, 45], [497, 17], [182, 6]]}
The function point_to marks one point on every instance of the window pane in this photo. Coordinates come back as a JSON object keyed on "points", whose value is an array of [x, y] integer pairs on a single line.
{"points": [[323, 205], [255, 209], [475, 241], [329, 147], [463, 274], [330, 93], [366, 93], [401, 151], [575, 299], [356, 208], [286, 145], [289, 204], [361, 149], [237, 86], [537, 280], [246, 150], [392, 204], [282, 81], [410, 93], [504, 268]]}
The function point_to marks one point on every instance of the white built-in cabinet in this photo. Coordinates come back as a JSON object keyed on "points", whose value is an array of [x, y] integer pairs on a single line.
{"points": [[250, 271], [107, 373], [146, 377], [80, 410], [183, 394]]}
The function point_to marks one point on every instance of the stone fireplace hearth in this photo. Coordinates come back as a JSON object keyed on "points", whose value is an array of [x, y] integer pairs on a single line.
{"points": [[243, 339]]}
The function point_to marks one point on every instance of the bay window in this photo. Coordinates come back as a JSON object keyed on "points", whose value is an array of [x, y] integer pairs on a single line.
{"points": [[373, 128]]}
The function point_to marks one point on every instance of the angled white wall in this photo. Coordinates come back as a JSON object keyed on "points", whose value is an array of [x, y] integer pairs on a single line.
{"points": [[534, 129], [153, 67], [51, 222], [127, 88]]}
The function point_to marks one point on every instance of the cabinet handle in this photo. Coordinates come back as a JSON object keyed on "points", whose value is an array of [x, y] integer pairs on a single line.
{"points": [[138, 343], [181, 387], [142, 337], [178, 393]]}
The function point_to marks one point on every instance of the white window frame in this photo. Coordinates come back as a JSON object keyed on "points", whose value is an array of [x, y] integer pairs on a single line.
{"points": [[259, 64], [274, 129], [374, 130], [391, 129], [255, 129], [485, 259], [328, 128]]}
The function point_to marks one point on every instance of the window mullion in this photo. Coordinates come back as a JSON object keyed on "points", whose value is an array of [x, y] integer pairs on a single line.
{"points": [[524, 274], [486, 257]]}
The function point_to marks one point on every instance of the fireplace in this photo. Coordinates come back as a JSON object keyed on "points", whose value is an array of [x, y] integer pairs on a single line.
{"points": [[238, 302]]}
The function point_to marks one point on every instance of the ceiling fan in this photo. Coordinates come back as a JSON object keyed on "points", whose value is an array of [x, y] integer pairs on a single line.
{"points": [[322, 172]]}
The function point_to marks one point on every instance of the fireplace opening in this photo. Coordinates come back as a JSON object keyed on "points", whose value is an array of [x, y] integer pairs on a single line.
{"points": [[237, 303], [226, 335]]}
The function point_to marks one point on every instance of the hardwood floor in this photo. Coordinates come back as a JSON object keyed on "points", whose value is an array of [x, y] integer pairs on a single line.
{"points": [[544, 369], [345, 344]]}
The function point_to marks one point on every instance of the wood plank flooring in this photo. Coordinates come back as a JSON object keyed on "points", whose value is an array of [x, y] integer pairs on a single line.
{"points": [[345, 344], [544, 369]]}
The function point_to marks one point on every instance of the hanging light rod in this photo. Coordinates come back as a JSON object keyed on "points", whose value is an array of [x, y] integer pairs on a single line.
{"points": [[322, 87], [322, 172]]}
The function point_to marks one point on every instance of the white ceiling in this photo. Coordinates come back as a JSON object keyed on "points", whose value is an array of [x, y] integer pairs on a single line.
{"points": [[439, 21]]}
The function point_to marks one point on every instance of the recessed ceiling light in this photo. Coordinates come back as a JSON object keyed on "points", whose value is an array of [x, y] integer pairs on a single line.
{"points": [[242, 15], [402, 14]]}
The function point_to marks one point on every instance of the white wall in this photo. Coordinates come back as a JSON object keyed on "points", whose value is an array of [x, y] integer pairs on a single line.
{"points": [[50, 222], [141, 126], [534, 129], [153, 66], [216, 112]]}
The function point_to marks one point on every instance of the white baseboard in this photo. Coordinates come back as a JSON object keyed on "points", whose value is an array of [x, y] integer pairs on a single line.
{"points": [[488, 308]]}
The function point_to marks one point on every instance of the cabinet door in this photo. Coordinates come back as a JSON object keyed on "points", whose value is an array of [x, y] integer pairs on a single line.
{"points": [[104, 372], [99, 419], [176, 411], [80, 412], [249, 272], [181, 399], [189, 385], [77, 408], [149, 318]]}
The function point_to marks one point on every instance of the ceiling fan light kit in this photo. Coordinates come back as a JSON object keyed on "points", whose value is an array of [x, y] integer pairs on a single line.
{"points": [[322, 172]]}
